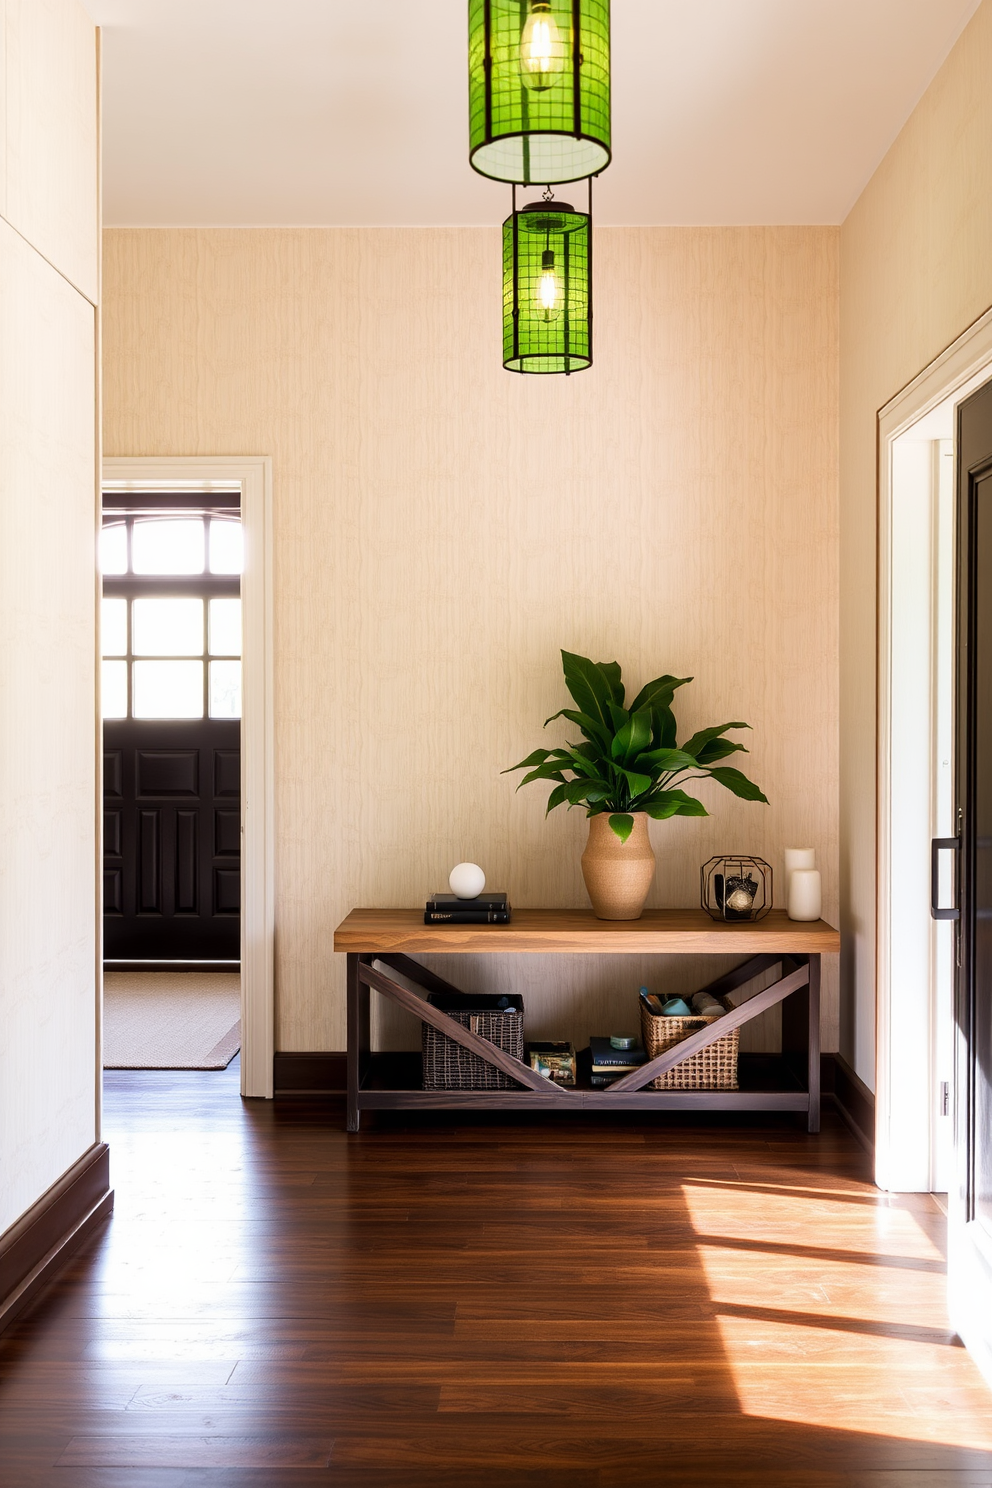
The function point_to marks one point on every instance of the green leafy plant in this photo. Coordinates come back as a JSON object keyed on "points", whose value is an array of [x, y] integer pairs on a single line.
{"points": [[629, 759]]}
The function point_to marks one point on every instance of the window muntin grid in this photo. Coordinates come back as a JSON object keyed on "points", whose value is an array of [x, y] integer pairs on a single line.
{"points": [[171, 641]]}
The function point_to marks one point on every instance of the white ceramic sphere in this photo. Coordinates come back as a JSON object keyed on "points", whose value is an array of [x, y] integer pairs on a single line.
{"points": [[466, 880]]}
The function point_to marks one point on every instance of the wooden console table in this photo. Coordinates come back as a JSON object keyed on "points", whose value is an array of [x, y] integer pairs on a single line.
{"points": [[391, 937]]}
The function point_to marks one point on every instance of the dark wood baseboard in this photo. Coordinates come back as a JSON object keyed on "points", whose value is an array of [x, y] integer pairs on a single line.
{"points": [[310, 1074], [851, 1097], [44, 1238]]}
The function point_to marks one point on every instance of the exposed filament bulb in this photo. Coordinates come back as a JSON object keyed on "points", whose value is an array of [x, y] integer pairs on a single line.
{"points": [[548, 295], [542, 51]]}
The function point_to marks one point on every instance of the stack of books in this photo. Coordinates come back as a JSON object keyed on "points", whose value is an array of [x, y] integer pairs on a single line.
{"points": [[485, 909], [609, 1064]]}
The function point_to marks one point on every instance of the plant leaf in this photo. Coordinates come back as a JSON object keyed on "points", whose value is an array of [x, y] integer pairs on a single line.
{"points": [[622, 824], [659, 693], [717, 749], [592, 730], [543, 772], [537, 758], [660, 761], [614, 679], [694, 745], [738, 783], [674, 803], [618, 717], [663, 728], [638, 783], [633, 737], [556, 798], [577, 791], [591, 690]]}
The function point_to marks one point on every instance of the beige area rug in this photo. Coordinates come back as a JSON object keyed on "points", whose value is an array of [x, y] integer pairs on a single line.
{"points": [[171, 1020]]}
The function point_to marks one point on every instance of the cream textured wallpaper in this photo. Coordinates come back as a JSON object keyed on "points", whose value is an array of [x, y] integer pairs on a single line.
{"points": [[916, 270], [443, 527]]}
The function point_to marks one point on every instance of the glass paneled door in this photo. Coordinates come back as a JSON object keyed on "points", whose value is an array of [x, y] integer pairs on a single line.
{"points": [[171, 642]]}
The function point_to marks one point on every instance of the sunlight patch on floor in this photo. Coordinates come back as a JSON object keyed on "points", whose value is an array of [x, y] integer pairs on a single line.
{"points": [[895, 1227], [791, 1283]]}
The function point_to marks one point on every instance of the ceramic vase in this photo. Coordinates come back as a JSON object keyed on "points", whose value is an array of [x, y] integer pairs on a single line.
{"points": [[618, 874]]}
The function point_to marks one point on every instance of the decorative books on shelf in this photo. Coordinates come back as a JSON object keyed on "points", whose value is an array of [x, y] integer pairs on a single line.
{"points": [[484, 909], [610, 1063], [553, 1058]]}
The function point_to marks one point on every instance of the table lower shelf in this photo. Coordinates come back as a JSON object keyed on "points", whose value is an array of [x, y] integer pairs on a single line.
{"points": [[393, 1081]]}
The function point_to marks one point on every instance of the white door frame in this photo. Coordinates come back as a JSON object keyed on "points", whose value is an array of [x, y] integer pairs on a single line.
{"points": [[905, 1093], [252, 475]]}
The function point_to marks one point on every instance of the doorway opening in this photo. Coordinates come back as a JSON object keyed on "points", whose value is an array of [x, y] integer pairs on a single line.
{"points": [[187, 705], [171, 689], [171, 701]]}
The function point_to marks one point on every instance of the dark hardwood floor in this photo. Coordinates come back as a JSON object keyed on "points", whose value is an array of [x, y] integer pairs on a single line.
{"points": [[440, 1302]]}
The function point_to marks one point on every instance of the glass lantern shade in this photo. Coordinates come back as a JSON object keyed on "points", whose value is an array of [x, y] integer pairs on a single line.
{"points": [[547, 289], [539, 89]]}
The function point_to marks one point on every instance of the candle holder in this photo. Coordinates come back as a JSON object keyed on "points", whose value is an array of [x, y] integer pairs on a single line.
{"points": [[736, 888]]}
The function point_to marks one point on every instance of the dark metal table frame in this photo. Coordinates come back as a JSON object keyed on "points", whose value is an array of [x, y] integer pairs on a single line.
{"points": [[798, 989]]}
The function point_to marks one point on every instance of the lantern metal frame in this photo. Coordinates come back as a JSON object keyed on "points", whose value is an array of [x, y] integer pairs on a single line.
{"points": [[563, 131], [529, 346]]}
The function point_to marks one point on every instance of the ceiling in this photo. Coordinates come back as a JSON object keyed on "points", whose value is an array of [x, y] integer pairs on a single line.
{"points": [[321, 112]]}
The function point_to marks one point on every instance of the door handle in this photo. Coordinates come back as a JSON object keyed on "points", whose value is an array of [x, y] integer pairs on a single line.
{"points": [[938, 845]]}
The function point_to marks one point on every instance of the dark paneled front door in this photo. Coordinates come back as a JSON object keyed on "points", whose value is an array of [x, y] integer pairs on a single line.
{"points": [[172, 840]]}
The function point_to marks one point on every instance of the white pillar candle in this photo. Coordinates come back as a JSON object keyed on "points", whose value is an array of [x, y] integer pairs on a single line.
{"points": [[805, 898], [797, 857]]}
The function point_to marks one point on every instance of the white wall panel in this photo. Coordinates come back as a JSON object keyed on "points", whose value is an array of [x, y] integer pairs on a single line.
{"points": [[47, 690], [51, 148]]}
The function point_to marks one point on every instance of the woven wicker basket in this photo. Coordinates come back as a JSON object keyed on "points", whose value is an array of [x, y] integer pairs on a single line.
{"points": [[447, 1066], [713, 1068]]}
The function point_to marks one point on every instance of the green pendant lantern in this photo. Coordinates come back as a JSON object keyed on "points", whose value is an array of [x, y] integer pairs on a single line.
{"points": [[539, 89], [547, 287]]}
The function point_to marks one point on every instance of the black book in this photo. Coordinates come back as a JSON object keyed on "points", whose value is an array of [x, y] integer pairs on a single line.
{"points": [[466, 916], [603, 1052], [481, 901]]}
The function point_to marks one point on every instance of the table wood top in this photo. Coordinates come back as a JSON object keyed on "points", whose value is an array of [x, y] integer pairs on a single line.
{"points": [[665, 931]]}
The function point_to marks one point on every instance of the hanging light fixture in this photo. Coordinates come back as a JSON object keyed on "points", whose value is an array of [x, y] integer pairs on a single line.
{"points": [[539, 89], [547, 287]]}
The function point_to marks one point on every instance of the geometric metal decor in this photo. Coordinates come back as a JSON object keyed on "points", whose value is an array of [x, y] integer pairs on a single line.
{"points": [[736, 887]]}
